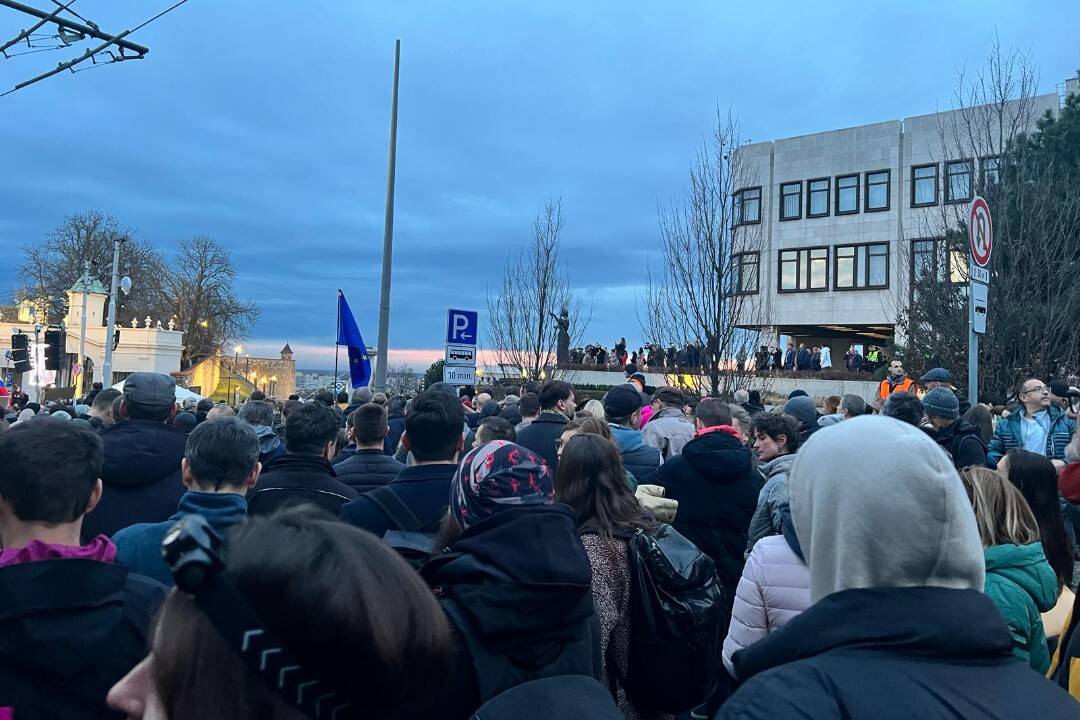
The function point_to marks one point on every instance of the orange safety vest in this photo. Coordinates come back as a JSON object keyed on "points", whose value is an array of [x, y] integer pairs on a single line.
{"points": [[907, 385]]}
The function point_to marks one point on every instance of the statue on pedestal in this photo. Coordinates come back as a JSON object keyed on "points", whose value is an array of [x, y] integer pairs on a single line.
{"points": [[172, 323], [134, 322], [562, 346], [146, 323]]}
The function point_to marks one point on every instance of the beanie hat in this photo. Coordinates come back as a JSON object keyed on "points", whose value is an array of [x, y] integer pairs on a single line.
{"points": [[496, 476], [941, 402], [803, 409]]}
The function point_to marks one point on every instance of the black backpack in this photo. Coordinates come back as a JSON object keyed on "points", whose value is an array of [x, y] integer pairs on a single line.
{"points": [[678, 618], [412, 540]]}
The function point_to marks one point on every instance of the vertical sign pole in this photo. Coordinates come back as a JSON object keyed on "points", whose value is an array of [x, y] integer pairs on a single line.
{"points": [[973, 341], [388, 235]]}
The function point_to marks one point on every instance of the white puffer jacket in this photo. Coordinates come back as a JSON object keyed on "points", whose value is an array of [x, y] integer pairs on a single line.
{"points": [[774, 587]]}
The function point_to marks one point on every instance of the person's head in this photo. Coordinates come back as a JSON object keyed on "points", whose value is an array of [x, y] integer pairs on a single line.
{"points": [[361, 396], [396, 406], [257, 395], [804, 410], [935, 378], [1001, 512], [433, 428], [324, 396], [559, 396], [361, 623], [896, 368], [1037, 479], [740, 420], [920, 533], [379, 398], [589, 424], [494, 477], [221, 455], [294, 396], [802, 346], [904, 406], [981, 418], [480, 401], [96, 386], [775, 434], [941, 407], [592, 482], [595, 408], [631, 369], [668, 397], [184, 421], [204, 406], [494, 428], [832, 404], [368, 427], [149, 396], [529, 406], [852, 406], [342, 398], [622, 405], [312, 429], [288, 408], [1034, 395], [755, 397], [712, 412], [257, 412], [49, 480], [221, 410], [742, 396], [103, 404]]}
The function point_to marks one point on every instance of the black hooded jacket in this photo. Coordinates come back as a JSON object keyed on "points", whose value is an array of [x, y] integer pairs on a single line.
{"points": [[964, 444], [891, 653], [517, 589], [717, 489], [141, 476]]}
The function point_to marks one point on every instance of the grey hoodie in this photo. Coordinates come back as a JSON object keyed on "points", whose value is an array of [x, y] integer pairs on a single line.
{"points": [[866, 519], [766, 519]]}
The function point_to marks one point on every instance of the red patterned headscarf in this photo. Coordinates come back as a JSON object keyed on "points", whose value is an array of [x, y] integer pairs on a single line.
{"points": [[497, 475]]}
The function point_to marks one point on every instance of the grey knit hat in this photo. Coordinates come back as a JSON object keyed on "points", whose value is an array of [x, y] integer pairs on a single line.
{"points": [[942, 403]]}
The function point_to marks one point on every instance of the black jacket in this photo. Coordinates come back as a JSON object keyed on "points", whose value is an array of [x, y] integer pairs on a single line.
{"points": [[141, 475], [717, 489], [891, 653], [367, 469], [293, 479], [963, 443], [517, 590], [540, 436], [69, 630], [397, 428], [425, 490]]}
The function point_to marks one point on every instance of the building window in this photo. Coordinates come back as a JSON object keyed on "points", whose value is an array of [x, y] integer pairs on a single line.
{"points": [[933, 262], [804, 270], [861, 266], [748, 206], [817, 197], [791, 201], [847, 194], [924, 185], [990, 171], [959, 175], [745, 267], [877, 190]]}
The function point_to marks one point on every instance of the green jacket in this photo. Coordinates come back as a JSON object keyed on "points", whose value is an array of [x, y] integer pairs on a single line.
{"points": [[1022, 585]]}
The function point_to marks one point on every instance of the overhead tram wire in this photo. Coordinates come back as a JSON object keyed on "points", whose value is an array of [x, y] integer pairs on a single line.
{"points": [[30, 30], [117, 40]]}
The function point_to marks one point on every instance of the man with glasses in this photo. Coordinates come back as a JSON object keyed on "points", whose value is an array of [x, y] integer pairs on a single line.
{"points": [[1038, 425]]}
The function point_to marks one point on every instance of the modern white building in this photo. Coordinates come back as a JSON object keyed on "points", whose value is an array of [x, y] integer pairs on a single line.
{"points": [[835, 224]]}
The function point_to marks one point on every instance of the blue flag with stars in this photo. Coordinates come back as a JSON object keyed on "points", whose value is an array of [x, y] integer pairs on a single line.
{"points": [[348, 334]]}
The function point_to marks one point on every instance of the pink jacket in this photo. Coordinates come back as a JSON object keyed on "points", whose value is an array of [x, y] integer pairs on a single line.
{"points": [[775, 587]]}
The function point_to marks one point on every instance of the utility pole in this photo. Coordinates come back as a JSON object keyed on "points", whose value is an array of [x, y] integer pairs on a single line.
{"points": [[388, 235], [110, 327], [80, 382]]}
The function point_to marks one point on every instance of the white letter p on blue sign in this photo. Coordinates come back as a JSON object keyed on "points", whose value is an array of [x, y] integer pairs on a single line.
{"points": [[461, 327]]}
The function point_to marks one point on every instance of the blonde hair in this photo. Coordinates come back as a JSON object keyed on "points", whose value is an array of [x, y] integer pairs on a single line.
{"points": [[1001, 512], [595, 408]]}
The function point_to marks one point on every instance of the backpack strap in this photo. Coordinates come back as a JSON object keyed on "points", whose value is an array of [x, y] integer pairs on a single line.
{"points": [[397, 511]]}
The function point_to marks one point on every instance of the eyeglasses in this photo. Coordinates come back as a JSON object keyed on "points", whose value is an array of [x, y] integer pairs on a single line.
{"points": [[1042, 389]]}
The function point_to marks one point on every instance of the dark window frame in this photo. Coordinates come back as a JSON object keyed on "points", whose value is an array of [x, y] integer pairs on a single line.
{"points": [[888, 190], [942, 269], [740, 203], [948, 199], [937, 193], [798, 267], [737, 265], [836, 194], [982, 170], [828, 197], [799, 185], [864, 271]]}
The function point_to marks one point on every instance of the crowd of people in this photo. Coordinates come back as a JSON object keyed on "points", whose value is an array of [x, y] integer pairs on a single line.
{"points": [[528, 552]]}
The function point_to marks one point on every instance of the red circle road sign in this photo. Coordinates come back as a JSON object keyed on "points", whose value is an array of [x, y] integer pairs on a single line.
{"points": [[980, 232]]}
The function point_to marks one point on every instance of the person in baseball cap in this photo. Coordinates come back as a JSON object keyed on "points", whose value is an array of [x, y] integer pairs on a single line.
{"points": [[622, 405], [956, 436], [942, 378]]}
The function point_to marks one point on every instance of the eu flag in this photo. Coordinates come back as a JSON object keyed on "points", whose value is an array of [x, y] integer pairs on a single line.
{"points": [[349, 335]]}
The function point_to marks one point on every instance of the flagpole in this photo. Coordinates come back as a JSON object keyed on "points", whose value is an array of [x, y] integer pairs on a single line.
{"points": [[388, 235], [337, 347]]}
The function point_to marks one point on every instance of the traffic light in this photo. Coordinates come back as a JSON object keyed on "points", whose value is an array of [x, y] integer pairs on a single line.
{"points": [[20, 353], [55, 348]]}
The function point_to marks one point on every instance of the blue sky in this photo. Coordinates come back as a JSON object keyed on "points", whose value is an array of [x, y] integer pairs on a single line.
{"points": [[264, 125]]}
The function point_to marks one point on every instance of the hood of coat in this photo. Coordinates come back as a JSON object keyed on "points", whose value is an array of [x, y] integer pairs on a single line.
{"points": [[628, 439], [268, 439], [521, 571], [779, 464], [300, 462], [882, 523], [1027, 567], [718, 456], [141, 452], [949, 433]]}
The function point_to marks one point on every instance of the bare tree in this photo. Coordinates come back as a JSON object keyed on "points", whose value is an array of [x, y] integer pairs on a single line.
{"points": [[699, 299], [534, 291], [199, 292], [51, 267], [401, 381]]}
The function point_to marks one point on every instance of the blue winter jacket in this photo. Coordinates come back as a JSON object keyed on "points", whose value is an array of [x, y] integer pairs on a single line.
{"points": [[1008, 435]]}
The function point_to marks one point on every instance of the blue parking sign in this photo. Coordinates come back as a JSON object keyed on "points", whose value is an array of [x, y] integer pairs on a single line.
{"points": [[461, 327]]}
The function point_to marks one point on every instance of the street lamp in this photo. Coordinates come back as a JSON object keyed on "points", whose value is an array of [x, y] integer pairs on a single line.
{"points": [[125, 286], [236, 355]]}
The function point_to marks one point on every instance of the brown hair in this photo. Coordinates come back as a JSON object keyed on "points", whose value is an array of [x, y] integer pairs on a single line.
{"points": [[832, 404], [591, 425], [369, 424], [1001, 512], [348, 608], [592, 482]]}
